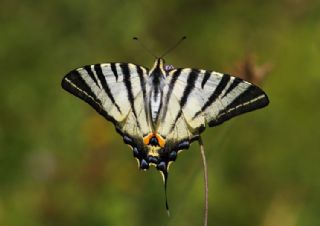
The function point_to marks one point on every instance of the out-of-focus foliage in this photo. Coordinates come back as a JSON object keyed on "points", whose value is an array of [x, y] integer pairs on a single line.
{"points": [[63, 164]]}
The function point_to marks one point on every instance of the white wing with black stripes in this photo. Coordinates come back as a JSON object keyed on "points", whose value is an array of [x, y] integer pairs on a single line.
{"points": [[116, 91], [204, 97]]}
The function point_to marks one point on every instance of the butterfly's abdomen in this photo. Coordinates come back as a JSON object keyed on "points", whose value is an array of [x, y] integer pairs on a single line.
{"points": [[155, 104]]}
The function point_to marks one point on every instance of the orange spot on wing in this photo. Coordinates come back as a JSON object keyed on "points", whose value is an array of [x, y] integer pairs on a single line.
{"points": [[146, 139], [160, 139]]}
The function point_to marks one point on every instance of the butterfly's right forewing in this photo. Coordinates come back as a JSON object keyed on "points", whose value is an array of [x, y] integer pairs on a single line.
{"points": [[226, 96], [198, 97]]}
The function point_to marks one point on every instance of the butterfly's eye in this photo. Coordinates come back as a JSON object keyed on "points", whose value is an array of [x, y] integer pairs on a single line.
{"points": [[168, 67]]}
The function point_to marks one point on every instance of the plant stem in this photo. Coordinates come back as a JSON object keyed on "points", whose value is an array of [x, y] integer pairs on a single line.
{"points": [[205, 182]]}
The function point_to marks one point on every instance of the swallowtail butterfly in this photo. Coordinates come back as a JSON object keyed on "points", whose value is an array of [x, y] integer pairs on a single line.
{"points": [[162, 110]]}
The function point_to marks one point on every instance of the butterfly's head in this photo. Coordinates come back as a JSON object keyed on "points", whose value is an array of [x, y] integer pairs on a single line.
{"points": [[159, 63], [158, 67]]}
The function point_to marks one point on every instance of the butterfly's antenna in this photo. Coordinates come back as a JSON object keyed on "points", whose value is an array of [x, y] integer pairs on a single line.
{"points": [[144, 47], [174, 46]]}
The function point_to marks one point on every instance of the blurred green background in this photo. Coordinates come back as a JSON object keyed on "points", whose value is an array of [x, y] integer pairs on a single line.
{"points": [[62, 164]]}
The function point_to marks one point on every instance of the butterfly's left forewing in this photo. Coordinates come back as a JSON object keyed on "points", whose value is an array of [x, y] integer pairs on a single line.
{"points": [[116, 91]]}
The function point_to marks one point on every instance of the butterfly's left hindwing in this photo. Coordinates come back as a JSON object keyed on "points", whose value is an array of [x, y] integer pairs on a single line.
{"points": [[116, 91]]}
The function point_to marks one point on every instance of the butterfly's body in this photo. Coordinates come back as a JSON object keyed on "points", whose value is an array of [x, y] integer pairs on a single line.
{"points": [[160, 112], [156, 82]]}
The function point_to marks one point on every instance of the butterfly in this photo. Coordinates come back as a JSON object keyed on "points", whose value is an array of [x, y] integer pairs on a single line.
{"points": [[162, 110]]}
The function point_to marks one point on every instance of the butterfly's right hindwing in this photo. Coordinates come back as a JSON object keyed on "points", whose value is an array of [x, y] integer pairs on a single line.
{"points": [[115, 90]]}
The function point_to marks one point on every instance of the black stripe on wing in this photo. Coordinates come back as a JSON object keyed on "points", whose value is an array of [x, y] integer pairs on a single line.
{"points": [[205, 78], [76, 85], [233, 85], [216, 93], [127, 82], [102, 78], [251, 99], [191, 80], [174, 78], [192, 77], [114, 70], [142, 86], [91, 74]]}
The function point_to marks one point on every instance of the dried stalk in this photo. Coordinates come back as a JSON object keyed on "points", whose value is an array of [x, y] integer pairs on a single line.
{"points": [[205, 170]]}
